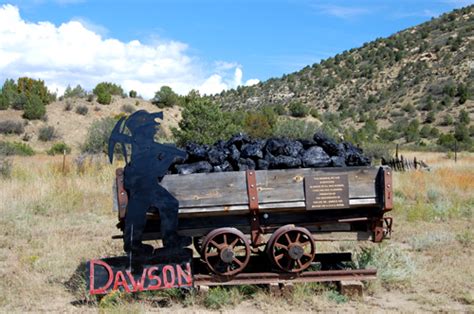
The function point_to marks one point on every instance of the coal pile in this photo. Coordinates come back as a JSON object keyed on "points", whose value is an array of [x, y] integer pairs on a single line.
{"points": [[242, 153]]}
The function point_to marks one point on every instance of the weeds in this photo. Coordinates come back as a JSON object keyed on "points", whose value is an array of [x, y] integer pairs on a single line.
{"points": [[15, 148], [12, 127], [394, 266], [430, 240], [6, 166], [47, 133]]}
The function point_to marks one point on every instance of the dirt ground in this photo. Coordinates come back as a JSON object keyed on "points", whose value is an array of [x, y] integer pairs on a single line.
{"points": [[52, 221]]}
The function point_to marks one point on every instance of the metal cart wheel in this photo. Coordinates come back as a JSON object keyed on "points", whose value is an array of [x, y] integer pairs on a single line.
{"points": [[291, 248], [226, 251]]}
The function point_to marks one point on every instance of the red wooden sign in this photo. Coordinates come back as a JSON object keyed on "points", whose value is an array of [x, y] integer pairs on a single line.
{"points": [[117, 273]]}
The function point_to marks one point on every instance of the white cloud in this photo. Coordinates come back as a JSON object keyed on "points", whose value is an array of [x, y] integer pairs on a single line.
{"points": [[344, 12], [76, 53]]}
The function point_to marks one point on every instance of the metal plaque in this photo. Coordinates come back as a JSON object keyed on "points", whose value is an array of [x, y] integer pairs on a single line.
{"points": [[326, 191]]}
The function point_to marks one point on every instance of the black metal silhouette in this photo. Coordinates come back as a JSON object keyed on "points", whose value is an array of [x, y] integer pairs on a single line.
{"points": [[149, 162]]}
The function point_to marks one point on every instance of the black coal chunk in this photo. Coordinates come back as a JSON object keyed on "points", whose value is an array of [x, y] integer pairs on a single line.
{"points": [[246, 164], [355, 156], [329, 145], [284, 162], [196, 152], [217, 156], [285, 147], [238, 140], [315, 157], [252, 150], [197, 167], [226, 166], [337, 161], [307, 143], [263, 164]]}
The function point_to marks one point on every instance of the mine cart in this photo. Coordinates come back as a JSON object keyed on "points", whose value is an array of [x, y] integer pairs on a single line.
{"points": [[278, 214]]}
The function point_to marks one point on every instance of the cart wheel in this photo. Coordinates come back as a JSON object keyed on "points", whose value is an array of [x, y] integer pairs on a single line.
{"points": [[291, 248], [226, 251]]}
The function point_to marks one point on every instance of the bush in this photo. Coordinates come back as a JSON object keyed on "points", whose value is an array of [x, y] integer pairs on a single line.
{"points": [[314, 113], [298, 109], [82, 110], [377, 151], [59, 149], [77, 92], [47, 133], [203, 122], [279, 109], [166, 97], [4, 103], [127, 108], [256, 125], [12, 127], [98, 136], [15, 148], [295, 129], [104, 98], [108, 88], [29, 87], [34, 108], [68, 106], [132, 94]]}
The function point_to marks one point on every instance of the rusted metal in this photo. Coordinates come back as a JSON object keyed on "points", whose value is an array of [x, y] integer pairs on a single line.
{"points": [[291, 248], [271, 277], [378, 230], [225, 251], [122, 196], [256, 231], [388, 189]]}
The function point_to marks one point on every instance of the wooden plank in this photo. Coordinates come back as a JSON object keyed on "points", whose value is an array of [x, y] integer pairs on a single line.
{"points": [[208, 189], [267, 208], [226, 189]]}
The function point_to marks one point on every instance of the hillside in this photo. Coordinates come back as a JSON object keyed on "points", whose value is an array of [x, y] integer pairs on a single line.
{"points": [[425, 73], [71, 127]]}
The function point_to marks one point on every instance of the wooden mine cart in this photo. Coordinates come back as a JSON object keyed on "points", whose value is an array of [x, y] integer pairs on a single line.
{"points": [[279, 213]]}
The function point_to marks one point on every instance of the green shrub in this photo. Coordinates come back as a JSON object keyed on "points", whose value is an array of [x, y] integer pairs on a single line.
{"points": [[77, 92], [9, 92], [298, 109], [29, 87], [166, 97], [15, 148], [256, 125], [132, 94], [377, 151], [314, 113], [34, 108], [47, 133], [394, 267], [295, 129], [108, 88], [104, 98], [4, 103], [82, 110], [203, 122], [12, 127], [279, 109], [98, 136], [59, 148]]}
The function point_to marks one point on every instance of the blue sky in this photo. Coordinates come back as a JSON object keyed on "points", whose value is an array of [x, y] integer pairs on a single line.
{"points": [[214, 44]]}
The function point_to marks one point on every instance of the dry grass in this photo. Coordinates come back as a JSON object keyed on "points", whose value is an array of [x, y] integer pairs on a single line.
{"points": [[51, 221]]}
